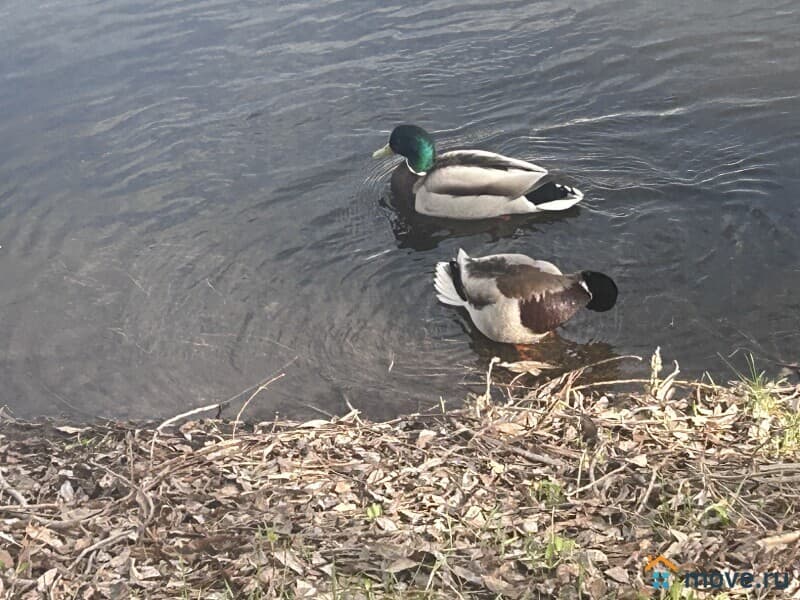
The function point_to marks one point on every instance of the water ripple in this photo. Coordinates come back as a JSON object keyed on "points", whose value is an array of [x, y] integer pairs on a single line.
{"points": [[188, 200]]}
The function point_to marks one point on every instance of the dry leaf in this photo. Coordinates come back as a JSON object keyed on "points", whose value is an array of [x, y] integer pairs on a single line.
{"points": [[289, 560], [65, 492], [305, 589], [530, 525], [315, 485], [425, 436], [69, 430], [597, 588], [467, 575], [596, 556], [496, 467], [146, 572], [533, 367], [509, 428], [498, 586], [402, 564], [46, 580], [386, 523], [639, 461], [44, 535], [618, 574], [783, 539], [678, 535], [6, 562], [314, 424]]}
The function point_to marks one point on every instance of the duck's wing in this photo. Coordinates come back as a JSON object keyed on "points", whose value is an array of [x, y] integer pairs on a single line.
{"points": [[549, 306], [474, 184], [522, 259], [546, 299], [476, 280], [480, 173]]}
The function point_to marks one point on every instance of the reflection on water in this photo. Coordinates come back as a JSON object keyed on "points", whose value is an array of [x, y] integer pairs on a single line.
{"points": [[554, 350], [421, 232], [188, 202]]}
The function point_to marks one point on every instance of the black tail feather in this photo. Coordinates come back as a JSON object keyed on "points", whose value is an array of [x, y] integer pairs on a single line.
{"points": [[548, 192], [455, 274]]}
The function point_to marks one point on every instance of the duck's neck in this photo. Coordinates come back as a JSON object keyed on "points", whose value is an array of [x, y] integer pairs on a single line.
{"points": [[422, 159]]}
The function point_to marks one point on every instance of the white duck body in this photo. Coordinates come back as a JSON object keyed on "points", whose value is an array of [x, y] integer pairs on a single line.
{"points": [[475, 184], [513, 298]]}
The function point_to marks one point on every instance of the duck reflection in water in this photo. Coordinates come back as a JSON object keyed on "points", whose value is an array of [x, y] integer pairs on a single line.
{"points": [[421, 232], [554, 355]]}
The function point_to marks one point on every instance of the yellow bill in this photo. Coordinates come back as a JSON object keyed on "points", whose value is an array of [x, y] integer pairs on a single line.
{"points": [[383, 152]]}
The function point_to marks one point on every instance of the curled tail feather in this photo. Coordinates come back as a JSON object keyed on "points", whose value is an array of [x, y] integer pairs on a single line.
{"points": [[447, 283]]}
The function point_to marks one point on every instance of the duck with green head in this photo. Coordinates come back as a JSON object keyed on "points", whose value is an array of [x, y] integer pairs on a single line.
{"points": [[469, 184]]}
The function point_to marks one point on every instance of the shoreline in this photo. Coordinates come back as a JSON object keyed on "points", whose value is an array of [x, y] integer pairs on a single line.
{"points": [[564, 490]]}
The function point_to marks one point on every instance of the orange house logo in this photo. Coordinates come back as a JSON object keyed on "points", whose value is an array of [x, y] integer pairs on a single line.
{"points": [[660, 569]]}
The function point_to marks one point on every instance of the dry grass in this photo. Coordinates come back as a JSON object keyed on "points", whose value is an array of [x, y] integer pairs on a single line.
{"points": [[563, 491]]}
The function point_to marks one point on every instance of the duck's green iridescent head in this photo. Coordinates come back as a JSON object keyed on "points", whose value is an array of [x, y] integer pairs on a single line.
{"points": [[414, 143]]}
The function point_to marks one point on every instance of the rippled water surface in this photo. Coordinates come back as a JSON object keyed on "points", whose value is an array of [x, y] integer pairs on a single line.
{"points": [[188, 203]]}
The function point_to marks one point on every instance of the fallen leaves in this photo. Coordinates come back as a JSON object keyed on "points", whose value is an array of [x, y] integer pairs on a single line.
{"points": [[562, 489], [45, 536]]}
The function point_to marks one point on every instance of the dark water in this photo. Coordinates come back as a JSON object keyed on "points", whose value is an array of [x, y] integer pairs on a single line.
{"points": [[188, 203]]}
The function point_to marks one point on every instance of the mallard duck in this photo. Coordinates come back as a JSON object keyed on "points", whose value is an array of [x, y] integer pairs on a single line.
{"points": [[469, 184], [515, 299]]}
